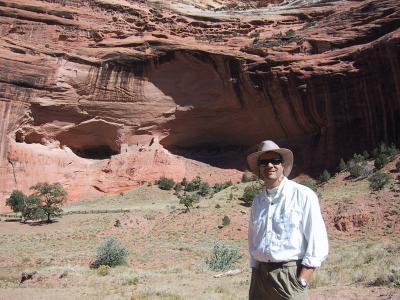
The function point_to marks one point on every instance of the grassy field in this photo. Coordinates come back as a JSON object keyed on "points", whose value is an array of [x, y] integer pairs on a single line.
{"points": [[168, 250]]}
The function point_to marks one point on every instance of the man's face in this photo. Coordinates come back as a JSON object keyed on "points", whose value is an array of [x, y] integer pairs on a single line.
{"points": [[271, 172]]}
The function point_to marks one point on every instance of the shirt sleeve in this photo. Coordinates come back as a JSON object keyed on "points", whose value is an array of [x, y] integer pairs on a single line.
{"points": [[315, 234]]}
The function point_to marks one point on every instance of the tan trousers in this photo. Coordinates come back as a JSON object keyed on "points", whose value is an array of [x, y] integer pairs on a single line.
{"points": [[277, 281]]}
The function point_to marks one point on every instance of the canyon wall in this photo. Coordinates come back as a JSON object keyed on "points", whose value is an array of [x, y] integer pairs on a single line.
{"points": [[103, 97]]}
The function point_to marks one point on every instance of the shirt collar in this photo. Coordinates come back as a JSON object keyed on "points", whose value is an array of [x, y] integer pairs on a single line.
{"points": [[269, 195]]}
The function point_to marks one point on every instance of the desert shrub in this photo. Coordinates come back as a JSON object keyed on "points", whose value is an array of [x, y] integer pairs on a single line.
{"points": [[389, 151], [165, 183], [254, 178], [204, 189], [188, 200], [290, 33], [217, 187], [392, 150], [357, 169], [110, 253], [193, 185], [221, 186], [223, 257], [131, 281], [103, 270], [378, 181], [217, 206], [398, 166], [196, 182], [245, 178], [227, 184], [392, 279], [250, 192], [184, 181], [325, 176], [358, 158], [309, 183], [226, 221], [342, 165], [178, 187], [380, 161], [365, 154]]}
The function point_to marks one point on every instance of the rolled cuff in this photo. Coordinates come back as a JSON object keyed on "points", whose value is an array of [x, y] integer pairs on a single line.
{"points": [[311, 262]]}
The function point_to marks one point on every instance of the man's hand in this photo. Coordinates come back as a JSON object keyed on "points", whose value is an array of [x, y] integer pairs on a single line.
{"points": [[307, 273]]}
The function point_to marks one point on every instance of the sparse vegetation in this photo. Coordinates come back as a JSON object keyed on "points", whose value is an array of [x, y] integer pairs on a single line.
{"points": [[165, 183], [110, 253], [223, 257], [226, 221], [221, 186], [250, 192], [290, 33], [380, 161], [44, 204], [188, 200], [342, 165], [358, 167], [103, 270], [309, 183], [204, 189], [378, 181], [325, 176]]}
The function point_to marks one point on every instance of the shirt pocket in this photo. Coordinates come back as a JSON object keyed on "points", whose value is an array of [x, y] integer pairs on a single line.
{"points": [[287, 224]]}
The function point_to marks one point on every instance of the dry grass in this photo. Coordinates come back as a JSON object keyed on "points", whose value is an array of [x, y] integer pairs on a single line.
{"points": [[167, 249]]}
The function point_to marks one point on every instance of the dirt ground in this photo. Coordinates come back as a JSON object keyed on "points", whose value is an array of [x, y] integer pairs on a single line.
{"points": [[168, 248]]}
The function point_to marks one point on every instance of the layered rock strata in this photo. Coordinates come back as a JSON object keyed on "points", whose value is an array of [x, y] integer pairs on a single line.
{"points": [[102, 96]]}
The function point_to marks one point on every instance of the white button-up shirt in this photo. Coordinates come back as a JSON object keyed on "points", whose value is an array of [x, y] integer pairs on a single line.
{"points": [[286, 224]]}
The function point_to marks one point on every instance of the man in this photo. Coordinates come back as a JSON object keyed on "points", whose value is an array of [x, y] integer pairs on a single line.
{"points": [[287, 235]]}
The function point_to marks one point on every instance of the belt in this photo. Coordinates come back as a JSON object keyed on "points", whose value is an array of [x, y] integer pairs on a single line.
{"points": [[280, 264]]}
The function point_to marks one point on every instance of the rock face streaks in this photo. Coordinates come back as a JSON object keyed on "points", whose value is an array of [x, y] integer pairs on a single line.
{"points": [[104, 96]]}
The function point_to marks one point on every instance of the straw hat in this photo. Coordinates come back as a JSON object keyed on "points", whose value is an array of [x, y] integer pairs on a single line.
{"points": [[270, 146]]}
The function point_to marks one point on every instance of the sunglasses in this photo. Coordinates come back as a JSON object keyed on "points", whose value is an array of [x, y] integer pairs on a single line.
{"points": [[274, 161]]}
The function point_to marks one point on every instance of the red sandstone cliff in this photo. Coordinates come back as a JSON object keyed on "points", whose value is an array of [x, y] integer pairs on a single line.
{"points": [[102, 95]]}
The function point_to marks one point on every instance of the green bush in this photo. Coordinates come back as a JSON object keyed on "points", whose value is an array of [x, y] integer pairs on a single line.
{"points": [[188, 200], [165, 183], [103, 270], [204, 189], [357, 169], [380, 161], [184, 181], [221, 186], [309, 183], [389, 151], [226, 221], [378, 181], [110, 253], [250, 192], [223, 257], [365, 154], [342, 165], [245, 178], [325, 176], [193, 185], [178, 187], [398, 166]]}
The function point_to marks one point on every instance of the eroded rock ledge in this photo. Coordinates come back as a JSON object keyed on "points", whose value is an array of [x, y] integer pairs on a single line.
{"points": [[102, 97]]}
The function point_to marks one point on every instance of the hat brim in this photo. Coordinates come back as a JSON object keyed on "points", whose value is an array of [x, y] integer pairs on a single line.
{"points": [[287, 155]]}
